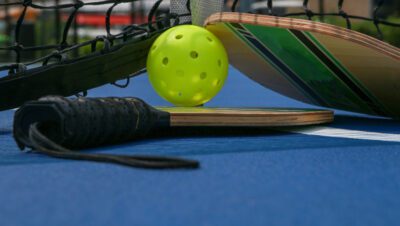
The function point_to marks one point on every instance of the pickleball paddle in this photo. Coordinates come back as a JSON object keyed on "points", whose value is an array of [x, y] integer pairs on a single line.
{"points": [[313, 62], [56, 125]]}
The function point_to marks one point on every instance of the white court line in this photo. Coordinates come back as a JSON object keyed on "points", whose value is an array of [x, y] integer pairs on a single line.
{"points": [[346, 133]]}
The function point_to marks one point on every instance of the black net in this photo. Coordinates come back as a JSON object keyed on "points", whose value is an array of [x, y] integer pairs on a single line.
{"points": [[65, 63], [64, 15], [59, 23], [50, 64]]}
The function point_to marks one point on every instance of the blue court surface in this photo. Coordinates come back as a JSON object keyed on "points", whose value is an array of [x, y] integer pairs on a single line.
{"points": [[345, 173]]}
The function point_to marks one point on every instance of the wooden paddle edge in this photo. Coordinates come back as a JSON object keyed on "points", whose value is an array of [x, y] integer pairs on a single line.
{"points": [[306, 25], [249, 119]]}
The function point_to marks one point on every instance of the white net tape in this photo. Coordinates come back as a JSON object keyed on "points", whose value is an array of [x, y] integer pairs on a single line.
{"points": [[201, 9]]}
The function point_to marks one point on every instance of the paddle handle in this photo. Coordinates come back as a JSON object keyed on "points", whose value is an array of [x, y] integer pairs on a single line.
{"points": [[87, 122]]}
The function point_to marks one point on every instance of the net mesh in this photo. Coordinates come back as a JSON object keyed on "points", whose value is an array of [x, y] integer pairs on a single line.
{"points": [[59, 23], [65, 18], [181, 7], [68, 17]]}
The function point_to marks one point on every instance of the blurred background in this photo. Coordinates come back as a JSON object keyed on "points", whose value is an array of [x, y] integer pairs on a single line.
{"points": [[45, 27]]}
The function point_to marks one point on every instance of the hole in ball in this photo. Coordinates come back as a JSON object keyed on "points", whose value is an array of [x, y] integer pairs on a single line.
{"points": [[219, 63], [203, 75], [165, 61], [209, 39], [180, 94], [154, 47], [194, 54], [179, 37]]}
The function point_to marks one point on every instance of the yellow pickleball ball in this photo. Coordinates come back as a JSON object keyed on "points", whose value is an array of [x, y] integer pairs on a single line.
{"points": [[187, 65]]}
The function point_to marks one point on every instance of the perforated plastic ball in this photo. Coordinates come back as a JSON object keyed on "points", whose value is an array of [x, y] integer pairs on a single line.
{"points": [[187, 65]]}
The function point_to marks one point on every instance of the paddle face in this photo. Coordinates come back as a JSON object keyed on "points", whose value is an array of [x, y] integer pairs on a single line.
{"points": [[245, 117], [313, 62]]}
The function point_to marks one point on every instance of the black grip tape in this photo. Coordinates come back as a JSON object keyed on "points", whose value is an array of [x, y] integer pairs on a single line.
{"points": [[87, 122]]}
